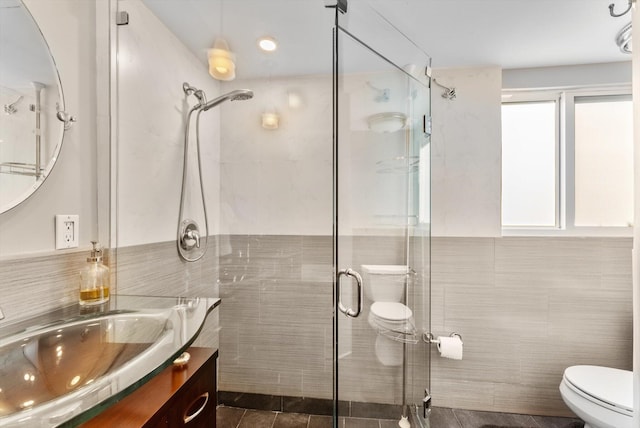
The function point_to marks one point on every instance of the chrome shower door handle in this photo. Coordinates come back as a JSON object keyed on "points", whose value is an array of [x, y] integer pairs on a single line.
{"points": [[355, 275]]}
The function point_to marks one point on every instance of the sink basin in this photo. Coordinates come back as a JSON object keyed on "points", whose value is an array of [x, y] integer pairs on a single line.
{"points": [[45, 364], [61, 368]]}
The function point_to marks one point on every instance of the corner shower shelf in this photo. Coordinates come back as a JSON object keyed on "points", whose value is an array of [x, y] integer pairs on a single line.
{"points": [[404, 332], [398, 165]]}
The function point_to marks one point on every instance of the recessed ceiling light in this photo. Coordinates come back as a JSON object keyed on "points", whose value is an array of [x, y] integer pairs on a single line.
{"points": [[268, 44]]}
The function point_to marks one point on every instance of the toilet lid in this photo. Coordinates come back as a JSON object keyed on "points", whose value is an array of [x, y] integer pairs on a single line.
{"points": [[391, 311], [613, 386]]}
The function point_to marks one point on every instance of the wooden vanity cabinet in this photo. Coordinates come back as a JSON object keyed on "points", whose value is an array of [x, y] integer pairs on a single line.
{"points": [[174, 398]]}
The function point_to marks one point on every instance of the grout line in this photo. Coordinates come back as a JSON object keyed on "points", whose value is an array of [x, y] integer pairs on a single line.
{"points": [[241, 417], [535, 423], [456, 418]]}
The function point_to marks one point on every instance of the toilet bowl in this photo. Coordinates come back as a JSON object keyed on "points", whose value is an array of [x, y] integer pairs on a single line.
{"points": [[392, 321], [384, 286], [601, 396]]}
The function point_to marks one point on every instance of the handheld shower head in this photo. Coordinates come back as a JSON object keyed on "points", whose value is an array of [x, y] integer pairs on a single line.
{"points": [[237, 95]]}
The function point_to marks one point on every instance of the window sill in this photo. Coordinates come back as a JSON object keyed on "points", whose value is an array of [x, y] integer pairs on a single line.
{"points": [[608, 232]]}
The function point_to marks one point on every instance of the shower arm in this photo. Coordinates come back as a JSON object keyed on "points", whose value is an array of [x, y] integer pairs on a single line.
{"points": [[450, 93]]}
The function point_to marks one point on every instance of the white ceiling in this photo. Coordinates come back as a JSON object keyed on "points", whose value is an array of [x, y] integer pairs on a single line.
{"points": [[455, 33]]}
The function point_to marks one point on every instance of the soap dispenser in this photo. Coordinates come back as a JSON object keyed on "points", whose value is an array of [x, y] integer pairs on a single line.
{"points": [[94, 279]]}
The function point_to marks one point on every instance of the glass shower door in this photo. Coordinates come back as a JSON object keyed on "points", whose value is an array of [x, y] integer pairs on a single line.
{"points": [[381, 221]]}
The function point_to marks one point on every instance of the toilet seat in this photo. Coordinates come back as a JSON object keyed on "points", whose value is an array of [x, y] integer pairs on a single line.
{"points": [[604, 386], [392, 312]]}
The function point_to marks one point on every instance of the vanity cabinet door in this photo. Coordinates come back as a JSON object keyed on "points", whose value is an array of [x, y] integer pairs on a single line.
{"points": [[195, 407], [174, 398]]}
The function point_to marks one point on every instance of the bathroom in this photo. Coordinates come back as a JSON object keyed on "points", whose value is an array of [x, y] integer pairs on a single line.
{"points": [[527, 307]]}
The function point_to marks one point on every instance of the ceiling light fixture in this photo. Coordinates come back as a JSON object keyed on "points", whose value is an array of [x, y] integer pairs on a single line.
{"points": [[222, 64], [267, 43]]}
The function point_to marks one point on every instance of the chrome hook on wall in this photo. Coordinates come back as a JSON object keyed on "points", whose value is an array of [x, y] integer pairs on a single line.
{"points": [[617, 15], [65, 117]]}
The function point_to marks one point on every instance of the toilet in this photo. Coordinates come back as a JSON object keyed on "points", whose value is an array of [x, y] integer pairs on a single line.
{"points": [[601, 396], [384, 287]]}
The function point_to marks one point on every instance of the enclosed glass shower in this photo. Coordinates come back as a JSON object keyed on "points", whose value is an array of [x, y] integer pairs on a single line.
{"points": [[381, 217], [320, 226]]}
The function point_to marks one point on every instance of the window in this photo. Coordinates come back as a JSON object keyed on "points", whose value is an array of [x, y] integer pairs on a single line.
{"points": [[529, 158], [567, 161]]}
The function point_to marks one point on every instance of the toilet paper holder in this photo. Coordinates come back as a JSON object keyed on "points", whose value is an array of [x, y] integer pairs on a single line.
{"points": [[431, 339]]}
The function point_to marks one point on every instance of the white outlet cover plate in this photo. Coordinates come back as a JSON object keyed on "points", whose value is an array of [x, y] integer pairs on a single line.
{"points": [[67, 231]]}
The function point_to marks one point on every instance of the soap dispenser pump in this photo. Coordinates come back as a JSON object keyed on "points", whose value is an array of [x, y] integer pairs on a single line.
{"points": [[94, 279]]}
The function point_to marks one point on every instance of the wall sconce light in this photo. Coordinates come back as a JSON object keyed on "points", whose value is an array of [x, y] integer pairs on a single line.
{"points": [[270, 120], [267, 44], [222, 64]]}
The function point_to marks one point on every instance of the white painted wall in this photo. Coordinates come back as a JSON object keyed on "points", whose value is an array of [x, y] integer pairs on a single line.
{"points": [[466, 153], [152, 110], [68, 26]]}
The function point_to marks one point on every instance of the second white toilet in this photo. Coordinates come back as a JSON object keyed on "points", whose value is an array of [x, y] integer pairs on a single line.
{"points": [[384, 286]]}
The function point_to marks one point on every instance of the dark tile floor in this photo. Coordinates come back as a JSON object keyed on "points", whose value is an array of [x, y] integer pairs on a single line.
{"points": [[233, 417]]}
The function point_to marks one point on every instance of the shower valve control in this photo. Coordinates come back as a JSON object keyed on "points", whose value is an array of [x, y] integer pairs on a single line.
{"points": [[189, 235]]}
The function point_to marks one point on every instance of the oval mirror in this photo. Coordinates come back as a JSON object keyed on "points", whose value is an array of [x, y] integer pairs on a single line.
{"points": [[31, 99]]}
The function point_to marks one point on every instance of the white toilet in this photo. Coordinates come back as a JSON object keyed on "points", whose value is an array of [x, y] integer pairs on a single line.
{"points": [[601, 396], [384, 286]]}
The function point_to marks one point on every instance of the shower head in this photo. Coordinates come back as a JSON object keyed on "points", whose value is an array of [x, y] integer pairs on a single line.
{"points": [[237, 95]]}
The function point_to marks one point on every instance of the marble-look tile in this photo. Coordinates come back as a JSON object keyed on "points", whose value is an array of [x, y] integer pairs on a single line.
{"points": [[389, 423], [228, 417], [443, 417], [291, 420], [555, 422], [257, 419], [375, 410], [361, 423], [475, 419], [323, 422]]}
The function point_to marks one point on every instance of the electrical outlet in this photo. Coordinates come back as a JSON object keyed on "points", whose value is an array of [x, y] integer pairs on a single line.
{"points": [[67, 231]]}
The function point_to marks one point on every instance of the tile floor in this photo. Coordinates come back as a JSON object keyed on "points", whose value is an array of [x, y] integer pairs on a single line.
{"points": [[234, 417]]}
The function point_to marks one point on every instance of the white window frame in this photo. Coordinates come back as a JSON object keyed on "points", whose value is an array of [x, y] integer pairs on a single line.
{"points": [[565, 160]]}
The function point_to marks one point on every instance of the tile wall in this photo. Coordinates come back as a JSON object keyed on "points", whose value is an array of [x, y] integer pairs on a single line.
{"points": [[526, 308]]}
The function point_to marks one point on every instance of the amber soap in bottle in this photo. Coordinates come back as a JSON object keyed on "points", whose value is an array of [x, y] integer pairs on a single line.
{"points": [[94, 279]]}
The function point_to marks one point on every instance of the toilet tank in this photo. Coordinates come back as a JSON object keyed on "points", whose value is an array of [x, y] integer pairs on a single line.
{"points": [[384, 283]]}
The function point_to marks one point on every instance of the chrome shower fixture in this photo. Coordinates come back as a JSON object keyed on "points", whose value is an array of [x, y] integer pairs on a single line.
{"points": [[449, 93], [198, 93], [237, 95], [189, 235]]}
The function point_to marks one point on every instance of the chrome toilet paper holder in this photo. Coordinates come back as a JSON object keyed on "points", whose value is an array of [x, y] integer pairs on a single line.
{"points": [[431, 339]]}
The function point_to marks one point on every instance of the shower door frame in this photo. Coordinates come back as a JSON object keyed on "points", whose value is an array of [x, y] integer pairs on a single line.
{"points": [[338, 307]]}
